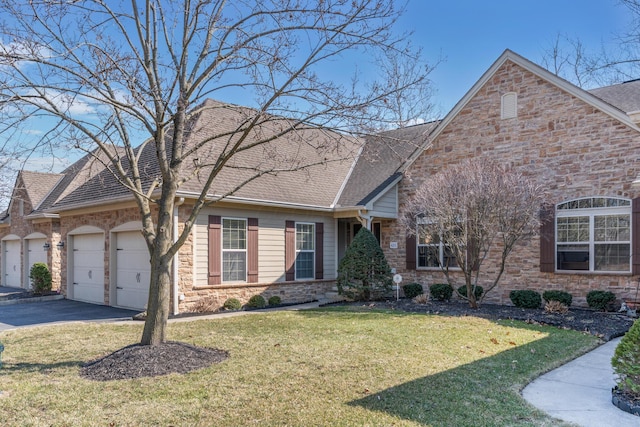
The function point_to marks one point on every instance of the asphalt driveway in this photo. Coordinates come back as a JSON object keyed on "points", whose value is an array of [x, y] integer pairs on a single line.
{"points": [[49, 312]]}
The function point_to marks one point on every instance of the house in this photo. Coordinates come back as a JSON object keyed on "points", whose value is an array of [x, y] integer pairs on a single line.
{"points": [[287, 231], [284, 232], [582, 146]]}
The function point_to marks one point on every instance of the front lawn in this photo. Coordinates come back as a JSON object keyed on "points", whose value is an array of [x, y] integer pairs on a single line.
{"points": [[329, 367]]}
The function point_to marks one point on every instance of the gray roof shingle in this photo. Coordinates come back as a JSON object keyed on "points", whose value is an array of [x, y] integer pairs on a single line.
{"points": [[624, 96]]}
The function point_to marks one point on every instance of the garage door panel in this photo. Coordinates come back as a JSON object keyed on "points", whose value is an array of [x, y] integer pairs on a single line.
{"points": [[12, 263], [88, 268], [132, 271]]}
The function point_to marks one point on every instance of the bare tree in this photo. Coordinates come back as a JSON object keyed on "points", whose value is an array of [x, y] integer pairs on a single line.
{"points": [[111, 74], [597, 66], [475, 208]]}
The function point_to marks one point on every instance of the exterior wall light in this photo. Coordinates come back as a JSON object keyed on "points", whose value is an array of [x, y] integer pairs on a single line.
{"points": [[60, 245], [46, 246]]}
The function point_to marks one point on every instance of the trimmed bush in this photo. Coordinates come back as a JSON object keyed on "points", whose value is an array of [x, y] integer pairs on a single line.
{"points": [[525, 298], [40, 278], [232, 304], [363, 272], [412, 290], [626, 361], [257, 301], [478, 291], [600, 300], [275, 300], [441, 291], [560, 296]]}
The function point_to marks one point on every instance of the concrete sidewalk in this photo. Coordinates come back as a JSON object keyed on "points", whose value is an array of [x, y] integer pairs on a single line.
{"points": [[580, 391]]}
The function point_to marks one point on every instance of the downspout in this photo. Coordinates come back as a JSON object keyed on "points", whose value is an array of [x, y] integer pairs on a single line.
{"points": [[175, 261]]}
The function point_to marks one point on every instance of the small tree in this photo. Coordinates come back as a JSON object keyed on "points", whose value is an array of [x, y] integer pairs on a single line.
{"points": [[626, 361], [364, 273], [472, 208], [40, 278]]}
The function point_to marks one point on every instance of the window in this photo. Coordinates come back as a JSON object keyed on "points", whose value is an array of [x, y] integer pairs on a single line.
{"points": [[305, 251], [594, 234], [432, 251], [234, 250]]}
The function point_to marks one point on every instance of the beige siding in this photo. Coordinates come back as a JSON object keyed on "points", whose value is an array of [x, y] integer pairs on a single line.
{"points": [[387, 205], [271, 226]]}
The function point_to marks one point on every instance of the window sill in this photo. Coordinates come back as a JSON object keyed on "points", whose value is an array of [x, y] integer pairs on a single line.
{"points": [[437, 269], [594, 273]]}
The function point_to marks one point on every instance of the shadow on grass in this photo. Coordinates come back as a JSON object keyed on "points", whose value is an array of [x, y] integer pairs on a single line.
{"points": [[43, 368], [485, 392]]}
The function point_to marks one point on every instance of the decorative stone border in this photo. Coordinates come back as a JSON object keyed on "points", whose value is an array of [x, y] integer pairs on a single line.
{"points": [[620, 401]]}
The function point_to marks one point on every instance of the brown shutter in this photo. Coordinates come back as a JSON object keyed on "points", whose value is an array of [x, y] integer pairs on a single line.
{"points": [[214, 236], [548, 239], [411, 249], [319, 250], [252, 250], [635, 237], [290, 250]]}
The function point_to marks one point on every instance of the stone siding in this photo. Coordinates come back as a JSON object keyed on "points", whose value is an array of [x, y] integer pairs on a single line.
{"points": [[572, 148]]}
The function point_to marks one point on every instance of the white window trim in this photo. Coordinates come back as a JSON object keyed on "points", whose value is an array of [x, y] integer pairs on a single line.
{"points": [[223, 250], [313, 251], [591, 213]]}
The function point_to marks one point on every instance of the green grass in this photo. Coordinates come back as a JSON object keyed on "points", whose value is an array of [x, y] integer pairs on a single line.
{"points": [[315, 368]]}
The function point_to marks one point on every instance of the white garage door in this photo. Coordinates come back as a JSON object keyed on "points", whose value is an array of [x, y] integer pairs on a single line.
{"points": [[35, 253], [132, 270], [88, 268], [12, 263]]}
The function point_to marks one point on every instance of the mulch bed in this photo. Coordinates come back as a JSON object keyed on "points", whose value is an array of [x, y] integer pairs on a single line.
{"points": [[604, 325], [137, 361]]}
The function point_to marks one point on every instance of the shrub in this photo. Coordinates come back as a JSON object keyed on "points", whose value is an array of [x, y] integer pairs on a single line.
{"points": [[421, 299], [412, 290], [257, 301], [561, 296], [626, 361], [556, 307], [478, 291], [364, 273], [275, 300], [525, 298], [205, 305], [441, 291], [40, 278], [600, 300], [232, 304]]}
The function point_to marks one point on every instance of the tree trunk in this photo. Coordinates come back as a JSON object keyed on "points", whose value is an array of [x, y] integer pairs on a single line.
{"points": [[471, 296], [159, 302]]}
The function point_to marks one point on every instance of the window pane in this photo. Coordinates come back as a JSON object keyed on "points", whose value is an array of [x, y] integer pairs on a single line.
{"points": [[428, 238], [305, 237], [234, 234], [448, 259], [304, 265], [428, 256], [573, 257], [234, 266], [612, 228], [573, 229], [612, 257]]}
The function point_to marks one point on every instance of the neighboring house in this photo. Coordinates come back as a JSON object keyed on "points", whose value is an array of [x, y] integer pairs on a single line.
{"points": [[285, 233], [582, 146], [282, 234]]}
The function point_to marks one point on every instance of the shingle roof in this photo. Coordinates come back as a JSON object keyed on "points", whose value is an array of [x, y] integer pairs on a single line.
{"points": [[625, 96], [330, 155], [38, 185], [380, 160]]}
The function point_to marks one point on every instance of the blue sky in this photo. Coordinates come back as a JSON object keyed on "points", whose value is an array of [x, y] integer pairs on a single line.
{"points": [[471, 34]]}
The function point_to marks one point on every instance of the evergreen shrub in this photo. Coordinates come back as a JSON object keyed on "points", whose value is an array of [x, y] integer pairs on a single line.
{"points": [[526, 298]]}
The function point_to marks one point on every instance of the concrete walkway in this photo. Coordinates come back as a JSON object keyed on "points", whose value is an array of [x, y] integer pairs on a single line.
{"points": [[580, 391]]}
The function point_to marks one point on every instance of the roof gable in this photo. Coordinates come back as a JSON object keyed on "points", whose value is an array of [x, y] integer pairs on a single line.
{"points": [[538, 71]]}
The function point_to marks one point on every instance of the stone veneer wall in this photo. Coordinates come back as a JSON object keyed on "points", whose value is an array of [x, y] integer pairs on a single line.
{"points": [[570, 147], [22, 227]]}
